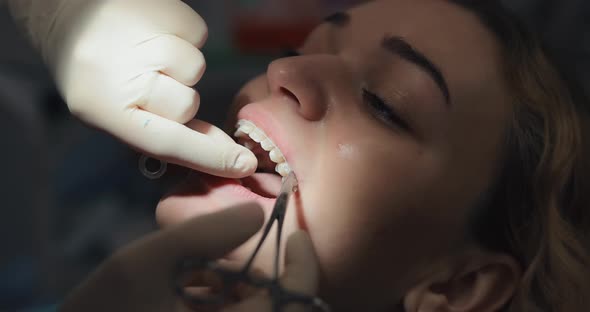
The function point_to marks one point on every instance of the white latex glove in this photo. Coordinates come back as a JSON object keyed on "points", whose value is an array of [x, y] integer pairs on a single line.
{"points": [[139, 276], [127, 67]]}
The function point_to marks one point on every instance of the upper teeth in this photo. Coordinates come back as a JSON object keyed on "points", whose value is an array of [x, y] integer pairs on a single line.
{"points": [[248, 128]]}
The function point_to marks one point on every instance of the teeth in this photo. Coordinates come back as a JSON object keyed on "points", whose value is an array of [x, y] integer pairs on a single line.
{"points": [[257, 135], [283, 169], [276, 156], [247, 128], [267, 145], [239, 133]]}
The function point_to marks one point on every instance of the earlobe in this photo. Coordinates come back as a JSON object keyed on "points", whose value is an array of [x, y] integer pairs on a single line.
{"points": [[485, 284]]}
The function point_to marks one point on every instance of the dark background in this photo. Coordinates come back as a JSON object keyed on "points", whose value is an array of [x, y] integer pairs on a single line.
{"points": [[70, 195]]}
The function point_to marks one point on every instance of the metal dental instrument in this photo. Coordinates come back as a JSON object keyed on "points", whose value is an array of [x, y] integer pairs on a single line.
{"points": [[230, 279], [152, 174]]}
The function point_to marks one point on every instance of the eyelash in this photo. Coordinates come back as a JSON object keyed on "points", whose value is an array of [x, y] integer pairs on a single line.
{"points": [[380, 108], [384, 111]]}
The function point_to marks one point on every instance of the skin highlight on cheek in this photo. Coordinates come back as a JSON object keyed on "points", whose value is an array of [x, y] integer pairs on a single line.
{"points": [[346, 151]]}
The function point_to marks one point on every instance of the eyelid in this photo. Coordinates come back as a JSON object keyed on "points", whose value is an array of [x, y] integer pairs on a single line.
{"points": [[395, 117]]}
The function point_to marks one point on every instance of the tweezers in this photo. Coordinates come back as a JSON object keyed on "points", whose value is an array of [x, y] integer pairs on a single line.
{"points": [[279, 295]]}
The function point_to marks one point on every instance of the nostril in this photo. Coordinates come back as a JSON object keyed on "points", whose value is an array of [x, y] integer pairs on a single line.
{"points": [[288, 93], [308, 106]]}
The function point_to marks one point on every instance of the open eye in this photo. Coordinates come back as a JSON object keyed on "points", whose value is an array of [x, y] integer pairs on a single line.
{"points": [[383, 111]]}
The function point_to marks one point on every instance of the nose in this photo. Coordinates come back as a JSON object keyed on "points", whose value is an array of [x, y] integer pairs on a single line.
{"points": [[310, 80]]}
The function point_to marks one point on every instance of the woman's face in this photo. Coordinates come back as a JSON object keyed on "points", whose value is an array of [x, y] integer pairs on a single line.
{"points": [[391, 118]]}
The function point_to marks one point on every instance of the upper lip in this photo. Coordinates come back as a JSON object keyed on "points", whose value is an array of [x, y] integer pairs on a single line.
{"points": [[267, 123]]}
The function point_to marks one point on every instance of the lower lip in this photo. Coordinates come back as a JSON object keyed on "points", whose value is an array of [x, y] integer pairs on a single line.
{"points": [[234, 187]]}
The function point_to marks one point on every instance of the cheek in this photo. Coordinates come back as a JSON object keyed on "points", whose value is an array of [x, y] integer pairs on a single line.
{"points": [[361, 198]]}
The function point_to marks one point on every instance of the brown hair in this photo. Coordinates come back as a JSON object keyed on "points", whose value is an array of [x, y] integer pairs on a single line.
{"points": [[538, 207]]}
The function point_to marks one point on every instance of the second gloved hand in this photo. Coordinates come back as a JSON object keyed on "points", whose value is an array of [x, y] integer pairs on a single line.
{"points": [[142, 276], [127, 67]]}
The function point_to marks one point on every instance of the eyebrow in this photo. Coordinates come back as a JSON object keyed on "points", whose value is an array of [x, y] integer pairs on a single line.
{"points": [[403, 49]]}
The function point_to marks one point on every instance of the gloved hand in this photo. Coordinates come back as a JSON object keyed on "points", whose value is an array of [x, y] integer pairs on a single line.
{"points": [[127, 67], [139, 277]]}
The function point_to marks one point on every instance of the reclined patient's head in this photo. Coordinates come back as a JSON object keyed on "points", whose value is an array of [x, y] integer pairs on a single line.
{"points": [[422, 134]]}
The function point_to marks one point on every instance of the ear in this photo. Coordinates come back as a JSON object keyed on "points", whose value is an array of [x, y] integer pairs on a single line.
{"points": [[485, 283]]}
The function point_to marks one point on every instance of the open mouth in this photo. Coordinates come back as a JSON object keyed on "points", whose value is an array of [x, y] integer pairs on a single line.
{"points": [[263, 186], [272, 165], [202, 193]]}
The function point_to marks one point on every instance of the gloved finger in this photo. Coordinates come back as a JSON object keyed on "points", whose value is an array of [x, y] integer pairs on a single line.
{"points": [[301, 265], [211, 236], [210, 130], [185, 23], [174, 57], [148, 266], [172, 100], [175, 143], [199, 283]]}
